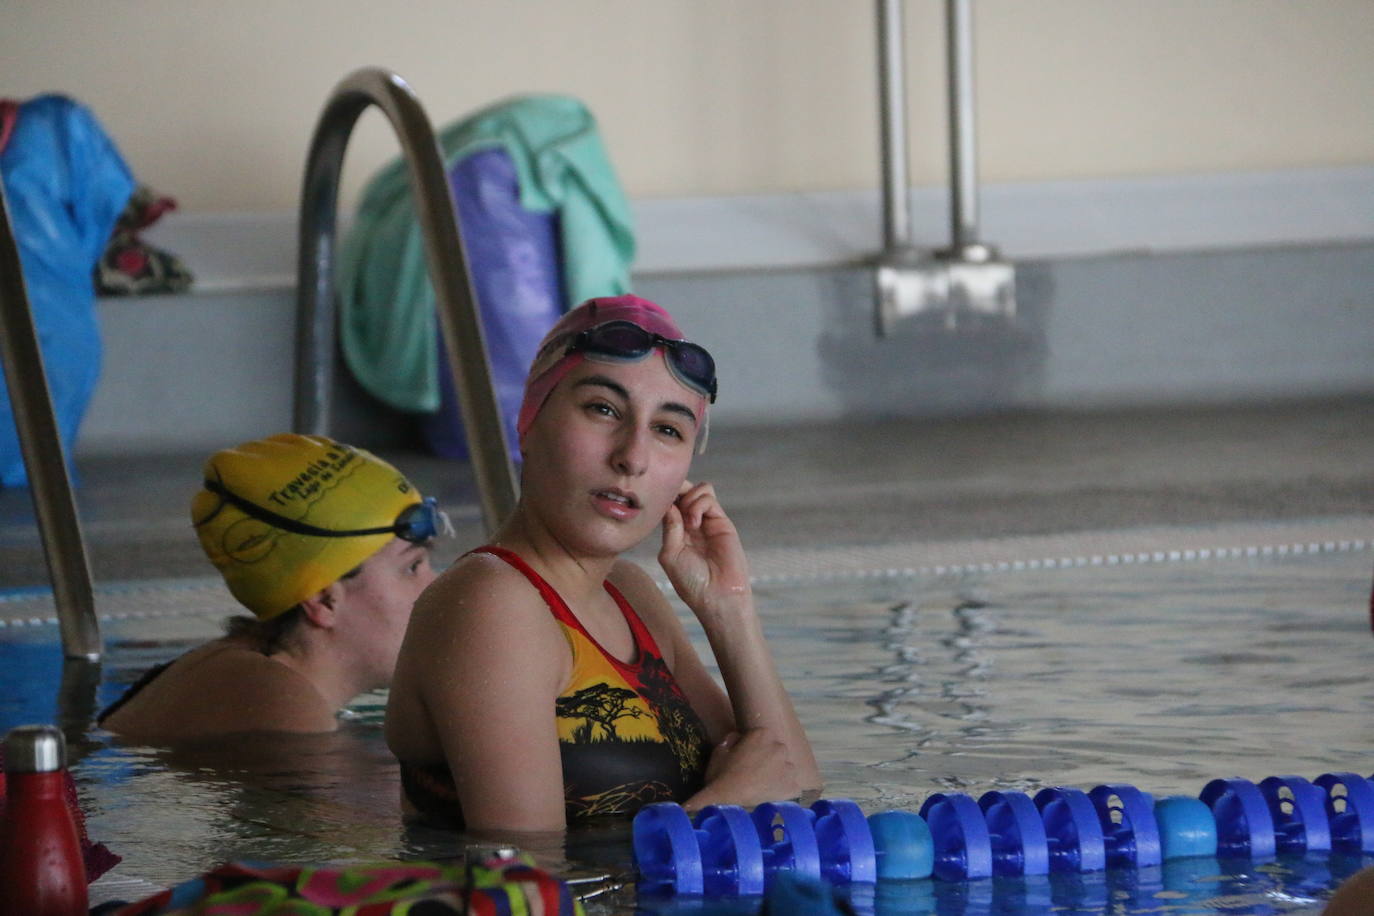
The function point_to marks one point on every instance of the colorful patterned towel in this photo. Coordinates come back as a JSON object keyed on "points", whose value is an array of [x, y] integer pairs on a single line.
{"points": [[495, 887]]}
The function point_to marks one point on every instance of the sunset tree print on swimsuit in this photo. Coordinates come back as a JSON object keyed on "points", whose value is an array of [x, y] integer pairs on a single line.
{"points": [[626, 734]]}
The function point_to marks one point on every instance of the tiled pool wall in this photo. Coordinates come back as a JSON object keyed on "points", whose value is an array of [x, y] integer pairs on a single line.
{"points": [[798, 345]]}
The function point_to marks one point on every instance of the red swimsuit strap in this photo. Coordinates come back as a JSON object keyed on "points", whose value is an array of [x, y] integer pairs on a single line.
{"points": [[644, 640]]}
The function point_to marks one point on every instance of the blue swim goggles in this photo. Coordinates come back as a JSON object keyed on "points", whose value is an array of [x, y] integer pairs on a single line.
{"points": [[418, 523], [623, 341]]}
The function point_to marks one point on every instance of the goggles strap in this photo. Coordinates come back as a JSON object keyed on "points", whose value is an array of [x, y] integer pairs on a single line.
{"points": [[286, 524]]}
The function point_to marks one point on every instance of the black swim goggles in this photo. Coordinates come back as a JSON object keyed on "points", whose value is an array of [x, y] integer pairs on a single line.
{"points": [[623, 341], [418, 523]]}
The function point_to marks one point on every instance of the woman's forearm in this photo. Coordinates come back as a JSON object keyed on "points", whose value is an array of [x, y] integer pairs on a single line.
{"points": [[757, 695]]}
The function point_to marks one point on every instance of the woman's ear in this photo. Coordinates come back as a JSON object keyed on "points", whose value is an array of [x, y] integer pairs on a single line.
{"points": [[322, 608]]}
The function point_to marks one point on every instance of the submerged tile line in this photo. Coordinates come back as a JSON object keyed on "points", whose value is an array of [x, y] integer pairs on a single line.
{"points": [[871, 564], [34, 608], [17, 622]]}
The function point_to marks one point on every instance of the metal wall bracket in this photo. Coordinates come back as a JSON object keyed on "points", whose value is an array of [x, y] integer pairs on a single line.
{"points": [[949, 289], [968, 282]]}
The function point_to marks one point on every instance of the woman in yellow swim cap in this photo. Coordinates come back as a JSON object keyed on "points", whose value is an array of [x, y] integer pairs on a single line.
{"points": [[328, 547]]}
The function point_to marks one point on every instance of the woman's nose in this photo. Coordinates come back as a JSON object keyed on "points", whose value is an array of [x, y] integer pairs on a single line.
{"points": [[630, 457]]}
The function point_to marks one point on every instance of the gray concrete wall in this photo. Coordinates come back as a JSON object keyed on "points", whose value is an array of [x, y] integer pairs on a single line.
{"points": [[1141, 329], [1262, 324]]}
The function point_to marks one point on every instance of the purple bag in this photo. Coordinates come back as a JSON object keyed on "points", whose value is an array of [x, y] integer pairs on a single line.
{"points": [[516, 275]]}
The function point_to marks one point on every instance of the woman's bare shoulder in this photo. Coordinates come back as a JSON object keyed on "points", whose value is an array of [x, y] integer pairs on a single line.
{"points": [[220, 689], [478, 590], [478, 613], [468, 647]]}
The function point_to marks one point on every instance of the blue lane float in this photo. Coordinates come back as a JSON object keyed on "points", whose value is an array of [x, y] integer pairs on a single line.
{"points": [[787, 837], [902, 845], [963, 845], [1349, 804], [1074, 832], [1298, 810], [730, 851], [1245, 828], [1186, 828], [1020, 845], [845, 842], [1129, 830]]}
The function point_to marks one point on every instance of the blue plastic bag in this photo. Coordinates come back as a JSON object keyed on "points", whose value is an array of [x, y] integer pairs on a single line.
{"points": [[66, 185]]}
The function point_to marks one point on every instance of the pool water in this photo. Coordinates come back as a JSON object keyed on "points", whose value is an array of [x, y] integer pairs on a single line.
{"points": [[1163, 676]]}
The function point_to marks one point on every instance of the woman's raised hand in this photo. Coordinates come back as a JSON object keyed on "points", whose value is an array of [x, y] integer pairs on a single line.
{"points": [[701, 552], [771, 758]]}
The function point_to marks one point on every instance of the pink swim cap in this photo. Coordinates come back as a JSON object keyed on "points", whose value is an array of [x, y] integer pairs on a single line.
{"points": [[551, 363]]}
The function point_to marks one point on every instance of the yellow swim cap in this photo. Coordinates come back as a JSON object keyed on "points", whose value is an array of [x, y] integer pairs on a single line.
{"points": [[303, 482]]}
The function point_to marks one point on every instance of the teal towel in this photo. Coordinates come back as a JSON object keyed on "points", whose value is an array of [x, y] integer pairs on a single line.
{"points": [[387, 327]]}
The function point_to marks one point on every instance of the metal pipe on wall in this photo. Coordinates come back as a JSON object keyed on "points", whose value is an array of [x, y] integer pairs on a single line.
{"points": [[893, 127], [459, 322], [963, 143], [967, 283], [44, 459]]}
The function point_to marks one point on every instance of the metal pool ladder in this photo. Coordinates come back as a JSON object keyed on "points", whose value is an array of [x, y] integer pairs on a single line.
{"points": [[41, 445], [968, 281], [459, 322]]}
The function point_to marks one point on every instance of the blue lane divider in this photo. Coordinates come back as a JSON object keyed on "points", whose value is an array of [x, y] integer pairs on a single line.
{"points": [[1020, 845], [845, 842], [1075, 834], [1129, 830], [788, 838], [1349, 804], [1244, 825], [963, 846], [731, 855], [1298, 810], [1186, 828], [729, 851]]}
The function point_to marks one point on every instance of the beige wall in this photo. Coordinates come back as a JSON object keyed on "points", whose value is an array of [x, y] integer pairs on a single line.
{"points": [[213, 101]]}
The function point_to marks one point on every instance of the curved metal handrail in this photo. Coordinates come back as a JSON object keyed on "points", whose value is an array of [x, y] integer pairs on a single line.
{"points": [[459, 322], [41, 445]]}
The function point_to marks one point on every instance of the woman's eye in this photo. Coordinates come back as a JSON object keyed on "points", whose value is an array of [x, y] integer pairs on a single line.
{"points": [[602, 408]]}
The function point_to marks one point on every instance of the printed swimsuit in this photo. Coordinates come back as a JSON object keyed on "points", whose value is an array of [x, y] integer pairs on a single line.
{"points": [[626, 734]]}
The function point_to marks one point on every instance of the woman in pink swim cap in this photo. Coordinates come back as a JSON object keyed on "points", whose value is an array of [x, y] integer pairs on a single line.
{"points": [[544, 678]]}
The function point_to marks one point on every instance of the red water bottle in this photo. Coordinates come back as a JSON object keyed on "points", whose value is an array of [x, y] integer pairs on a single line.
{"points": [[41, 871]]}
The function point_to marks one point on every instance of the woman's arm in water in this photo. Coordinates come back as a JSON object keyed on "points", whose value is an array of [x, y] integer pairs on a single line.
{"points": [[478, 675], [705, 562], [1353, 898]]}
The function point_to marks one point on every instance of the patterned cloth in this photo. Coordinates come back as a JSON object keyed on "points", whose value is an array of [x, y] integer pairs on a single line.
{"points": [[129, 266], [494, 887]]}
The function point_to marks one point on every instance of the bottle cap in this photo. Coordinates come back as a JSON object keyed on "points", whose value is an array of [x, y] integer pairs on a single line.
{"points": [[34, 749]]}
